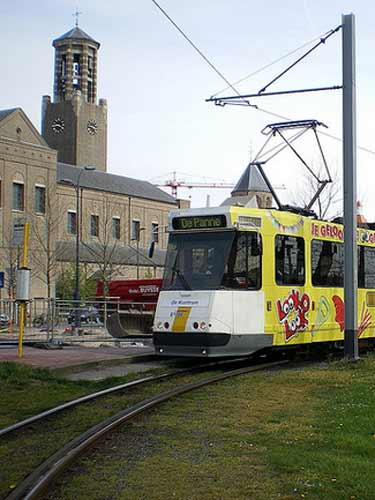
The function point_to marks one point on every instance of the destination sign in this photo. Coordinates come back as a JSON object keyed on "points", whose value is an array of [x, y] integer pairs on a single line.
{"points": [[199, 222]]}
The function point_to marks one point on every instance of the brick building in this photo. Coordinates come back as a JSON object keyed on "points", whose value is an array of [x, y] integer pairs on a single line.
{"points": [[40, 173]]}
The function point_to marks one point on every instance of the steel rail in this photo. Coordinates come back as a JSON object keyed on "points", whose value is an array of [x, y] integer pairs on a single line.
{"points": [[88, 397], [39, 480]]}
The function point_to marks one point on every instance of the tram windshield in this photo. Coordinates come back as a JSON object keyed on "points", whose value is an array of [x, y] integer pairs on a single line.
{"points": [[213, 261]]}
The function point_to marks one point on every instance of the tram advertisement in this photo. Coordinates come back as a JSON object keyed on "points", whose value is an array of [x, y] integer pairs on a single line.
{"points": [[292, 313], [326, 230]]}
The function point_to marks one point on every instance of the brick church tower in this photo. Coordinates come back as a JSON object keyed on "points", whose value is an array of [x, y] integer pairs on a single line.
{"points": [[74, 123]]}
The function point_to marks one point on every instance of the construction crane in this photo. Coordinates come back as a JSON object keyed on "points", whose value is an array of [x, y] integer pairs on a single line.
{"points": [[174, 184]]}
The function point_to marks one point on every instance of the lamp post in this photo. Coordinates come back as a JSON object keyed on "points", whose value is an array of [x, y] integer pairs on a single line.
{"points": [[137, 237], [76, 293]]}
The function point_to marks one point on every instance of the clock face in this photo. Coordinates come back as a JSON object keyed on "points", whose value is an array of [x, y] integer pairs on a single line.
{"points": [[92, 127], [58, 125]]}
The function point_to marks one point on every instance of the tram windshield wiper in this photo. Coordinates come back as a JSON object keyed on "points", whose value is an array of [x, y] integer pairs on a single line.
{"points": [[183, 280]]}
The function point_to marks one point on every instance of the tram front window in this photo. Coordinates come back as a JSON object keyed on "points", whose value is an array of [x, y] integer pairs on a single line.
{"points": [[213, 261]]}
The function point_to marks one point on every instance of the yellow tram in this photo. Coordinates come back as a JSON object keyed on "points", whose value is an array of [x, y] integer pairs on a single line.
{"points": [[238, 280]]}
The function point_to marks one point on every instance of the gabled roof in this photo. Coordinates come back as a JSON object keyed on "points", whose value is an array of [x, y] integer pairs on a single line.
{"points": [[5, 112], [251, 180], [102, 181], [14, 121], [76, 34]]}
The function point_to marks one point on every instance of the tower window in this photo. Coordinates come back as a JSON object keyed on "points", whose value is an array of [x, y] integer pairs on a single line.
{"points": [[89, 91], [76, 71], [76, 64], [63, 65], [18, 196], [90, 64]]}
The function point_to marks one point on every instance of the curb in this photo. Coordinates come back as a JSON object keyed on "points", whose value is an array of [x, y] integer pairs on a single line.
{"points": [[81, 367]]}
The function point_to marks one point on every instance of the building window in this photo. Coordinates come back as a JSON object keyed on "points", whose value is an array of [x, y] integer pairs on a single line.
{"points": [[40, 199], [72, 222], [135, 230], [94, 225], [290, 260], [155, 232], [18, 196], [116, 232]]}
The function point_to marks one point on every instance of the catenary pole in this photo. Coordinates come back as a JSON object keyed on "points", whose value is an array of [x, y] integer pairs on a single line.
{"points": [[350, 187]]}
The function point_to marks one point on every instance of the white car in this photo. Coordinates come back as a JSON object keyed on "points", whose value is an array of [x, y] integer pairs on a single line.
{"points": [[4, 319]]}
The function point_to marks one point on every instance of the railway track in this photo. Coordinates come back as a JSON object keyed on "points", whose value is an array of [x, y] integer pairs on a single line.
{"points": [[105, 392], [36, 483]]}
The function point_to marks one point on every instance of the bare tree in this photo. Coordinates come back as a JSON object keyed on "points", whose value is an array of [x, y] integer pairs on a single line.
{"points": [[9, 253], [328, 203], [104, 248], [44, 231]]}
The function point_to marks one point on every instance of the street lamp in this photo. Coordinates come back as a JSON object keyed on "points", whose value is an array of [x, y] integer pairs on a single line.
{"points": [[76, 293], [137, 238]]}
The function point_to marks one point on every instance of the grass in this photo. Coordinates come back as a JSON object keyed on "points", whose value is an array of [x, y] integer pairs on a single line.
{"points": [[26, 391], [284, 435]]}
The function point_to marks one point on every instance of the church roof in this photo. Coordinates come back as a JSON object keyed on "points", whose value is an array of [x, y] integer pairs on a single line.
{"points": [[251, 180], [102, 181], [76, 34], [248, 200]]}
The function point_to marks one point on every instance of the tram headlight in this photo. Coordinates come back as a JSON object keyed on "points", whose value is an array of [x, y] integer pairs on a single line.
{"points": [[166, 325], [203, 325], [159, 325]]}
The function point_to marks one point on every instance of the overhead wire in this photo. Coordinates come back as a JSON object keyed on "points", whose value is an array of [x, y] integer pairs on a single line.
{"points": [[231, 85], [266, 66], [200, 52]]}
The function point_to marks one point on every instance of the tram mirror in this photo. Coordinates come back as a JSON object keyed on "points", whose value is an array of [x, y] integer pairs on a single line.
{"points": [[151, 249]]}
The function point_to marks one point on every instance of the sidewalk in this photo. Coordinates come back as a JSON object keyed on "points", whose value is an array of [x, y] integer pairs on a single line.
{"points": [[77, 362]]}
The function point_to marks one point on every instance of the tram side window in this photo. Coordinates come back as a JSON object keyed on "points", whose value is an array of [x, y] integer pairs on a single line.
{"points": [[327, 263], [290, 260], [366, 267], [244, 263]]}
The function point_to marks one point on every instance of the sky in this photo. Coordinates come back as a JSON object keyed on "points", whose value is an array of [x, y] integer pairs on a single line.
{"points": [[156, 84]]}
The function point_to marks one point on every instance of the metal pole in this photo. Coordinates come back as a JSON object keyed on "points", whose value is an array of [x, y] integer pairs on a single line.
{"points": [[77, 295], [22, 310], [138, 235], [350, 187]]}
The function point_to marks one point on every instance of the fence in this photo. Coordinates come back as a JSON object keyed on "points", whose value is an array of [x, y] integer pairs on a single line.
{"points": [[90, 320]]}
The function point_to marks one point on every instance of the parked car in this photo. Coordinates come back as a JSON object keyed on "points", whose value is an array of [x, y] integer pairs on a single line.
{"points": [[4, 319], [88, 315]]}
